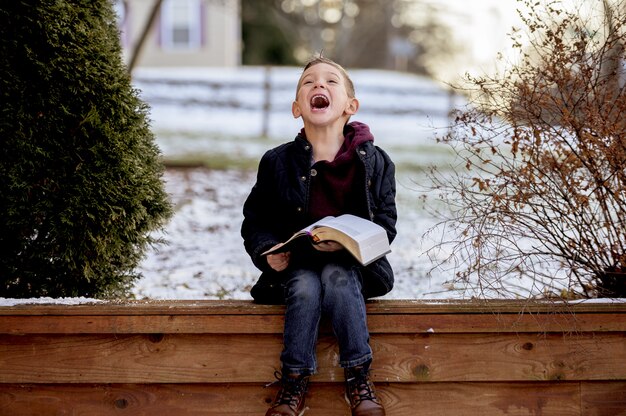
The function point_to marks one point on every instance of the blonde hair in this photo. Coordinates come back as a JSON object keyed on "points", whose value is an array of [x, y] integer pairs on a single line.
{"points": [[321, 60]]}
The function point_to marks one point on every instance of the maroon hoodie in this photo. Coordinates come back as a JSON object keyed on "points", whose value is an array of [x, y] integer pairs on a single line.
{"points": [[337, 187]]}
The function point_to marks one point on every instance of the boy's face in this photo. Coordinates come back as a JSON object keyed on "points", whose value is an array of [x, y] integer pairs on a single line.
{"points": [[322, 98]]}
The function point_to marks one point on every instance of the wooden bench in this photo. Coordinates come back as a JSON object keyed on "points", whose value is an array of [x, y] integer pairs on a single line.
{"points": [[216, 357]]}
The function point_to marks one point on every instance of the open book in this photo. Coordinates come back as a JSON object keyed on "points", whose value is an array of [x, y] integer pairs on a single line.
{"points": [[364, 239]]}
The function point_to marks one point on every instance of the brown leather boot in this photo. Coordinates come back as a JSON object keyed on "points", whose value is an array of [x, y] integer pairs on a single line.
{"points": [[360, 392], [290, 398]]}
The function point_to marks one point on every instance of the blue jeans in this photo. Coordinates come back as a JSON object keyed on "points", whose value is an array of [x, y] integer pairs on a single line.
{"points": [[334, 291]]}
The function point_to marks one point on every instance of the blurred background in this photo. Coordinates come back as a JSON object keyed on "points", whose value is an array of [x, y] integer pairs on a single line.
{"points": [[227, 68], [220, 75], [438, 38]]}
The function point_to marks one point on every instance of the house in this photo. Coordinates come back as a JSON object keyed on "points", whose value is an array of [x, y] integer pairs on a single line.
{"points": [[183, 33]]}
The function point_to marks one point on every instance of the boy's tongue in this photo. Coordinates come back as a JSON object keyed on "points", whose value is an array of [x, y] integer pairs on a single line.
{"points": [[319, 102]]}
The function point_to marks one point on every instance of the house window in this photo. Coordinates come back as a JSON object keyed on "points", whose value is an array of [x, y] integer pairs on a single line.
{"points": [[181, 22]]}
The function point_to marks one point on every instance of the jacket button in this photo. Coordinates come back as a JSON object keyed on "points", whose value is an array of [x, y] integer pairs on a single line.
{"points": [[313, 172], [362, 152], [303, 178], [307, 147]]}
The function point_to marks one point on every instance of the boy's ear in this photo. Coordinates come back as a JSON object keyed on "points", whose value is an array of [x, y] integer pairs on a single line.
{"points": [[295, 110], [352, 107]]}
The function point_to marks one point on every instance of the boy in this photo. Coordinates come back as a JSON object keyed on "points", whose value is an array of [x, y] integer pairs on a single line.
{"points": [[331, 168]]}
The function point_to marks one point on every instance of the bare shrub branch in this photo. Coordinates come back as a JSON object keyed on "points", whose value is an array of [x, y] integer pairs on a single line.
{"points": [[538, 204]]}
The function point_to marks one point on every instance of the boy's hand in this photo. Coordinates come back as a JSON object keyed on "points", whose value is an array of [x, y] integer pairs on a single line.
{"points": [[328, 246], [279, 261]]}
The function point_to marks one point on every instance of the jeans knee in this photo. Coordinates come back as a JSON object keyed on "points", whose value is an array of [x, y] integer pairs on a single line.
{"points": [[340, 280], [304, 288]]}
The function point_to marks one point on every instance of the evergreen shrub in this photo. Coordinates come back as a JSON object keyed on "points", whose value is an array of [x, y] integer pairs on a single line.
{"points": [[80, 175]]}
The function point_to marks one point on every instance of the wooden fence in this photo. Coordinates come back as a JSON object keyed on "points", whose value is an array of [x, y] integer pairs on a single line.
{"points": [[215, 358], [268, 92]]}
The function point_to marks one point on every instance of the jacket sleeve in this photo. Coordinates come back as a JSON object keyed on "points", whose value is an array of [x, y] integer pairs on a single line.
{"points": [[256, 228], [384, 194], [378, 277]]}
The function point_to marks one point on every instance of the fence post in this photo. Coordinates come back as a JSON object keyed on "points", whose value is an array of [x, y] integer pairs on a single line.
{"points": [[267, 101]]}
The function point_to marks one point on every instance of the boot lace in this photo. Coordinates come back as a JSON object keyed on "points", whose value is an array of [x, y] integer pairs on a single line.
{"points": [[291, 391], [360, 388]]}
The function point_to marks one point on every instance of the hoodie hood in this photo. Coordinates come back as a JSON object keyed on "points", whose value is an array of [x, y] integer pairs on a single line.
{"points": [[355, 134], [358, 133]]}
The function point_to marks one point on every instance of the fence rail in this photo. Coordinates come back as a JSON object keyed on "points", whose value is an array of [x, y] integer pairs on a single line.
{"points": [[268, 91]]}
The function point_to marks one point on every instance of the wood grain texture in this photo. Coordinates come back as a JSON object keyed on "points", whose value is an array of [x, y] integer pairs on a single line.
{"points": [[215, 357], [382, 306], [198, 358], [423, 399], [237, 317], [603, 399]]}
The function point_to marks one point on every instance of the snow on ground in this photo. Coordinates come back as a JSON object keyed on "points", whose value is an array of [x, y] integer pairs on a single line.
{"points": [[48, 301], [205, 258]]}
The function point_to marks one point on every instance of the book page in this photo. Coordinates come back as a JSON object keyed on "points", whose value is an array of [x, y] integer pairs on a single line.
{"points": [[356, 227], [364, 239]]}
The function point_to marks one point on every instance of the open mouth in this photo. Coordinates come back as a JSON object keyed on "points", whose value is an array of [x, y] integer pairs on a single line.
{"points": [[319, 102]]}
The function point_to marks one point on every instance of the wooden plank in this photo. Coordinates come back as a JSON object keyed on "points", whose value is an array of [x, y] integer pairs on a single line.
{"points": [[384, 306], [138, 358], [110, 320], [495, 306], [603, 399], [151, 324], [203, 358], [497, 323], [436, 399], [273, 324], [145, 307], [476, 357], [505, 357], [481, 399]]}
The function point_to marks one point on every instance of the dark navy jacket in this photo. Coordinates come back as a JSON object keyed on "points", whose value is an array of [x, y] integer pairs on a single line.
{"points": [[277, 207]]}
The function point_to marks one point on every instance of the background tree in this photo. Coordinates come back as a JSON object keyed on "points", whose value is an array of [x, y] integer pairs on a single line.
{"points": [[407, 35], [80, 175], [538, 204], [265, 40]]}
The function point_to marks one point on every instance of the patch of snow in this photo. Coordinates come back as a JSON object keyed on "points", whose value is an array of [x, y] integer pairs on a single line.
{"points": [[47, 301], [205, 258]]}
